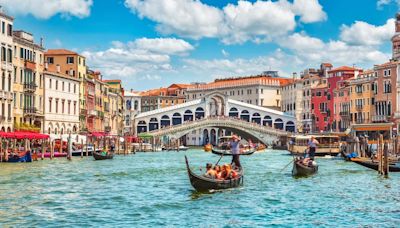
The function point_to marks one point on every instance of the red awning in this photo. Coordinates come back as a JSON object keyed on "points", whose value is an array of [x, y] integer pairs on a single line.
{"points": [[98, 134], [23, 135]]}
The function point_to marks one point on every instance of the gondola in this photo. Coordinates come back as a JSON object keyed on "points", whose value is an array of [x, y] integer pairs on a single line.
{"points": [[21, 157], [375, 165], [99, 156], [229, 153], [204, 184], [301, 170]]}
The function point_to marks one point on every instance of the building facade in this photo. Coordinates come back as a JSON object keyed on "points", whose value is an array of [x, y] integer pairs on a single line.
{"points": [[7, 72], [28, 82], [61, 103], [132, 102], [292, 98]]}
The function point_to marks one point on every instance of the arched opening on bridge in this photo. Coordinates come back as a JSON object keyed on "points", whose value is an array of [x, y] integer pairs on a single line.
{"points": [[206, 138], [188, 116], [153, 124], [176, 119], [233, 112], [199, 114], [220, 134], [245, 115], [256, 118], [278, 124], [165, 121], [141, 127], [217, 105], [290, 127], [267, 121], [213, 137]]}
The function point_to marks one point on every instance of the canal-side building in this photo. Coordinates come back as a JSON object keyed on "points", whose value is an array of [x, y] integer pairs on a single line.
{"points": [[292, 98], [28, 82], [319, 106], [61, 111], [262, 90], [7, 72], [341, 107], [132, 101], [362, 98], [310, 81], [115, 106], [163, 97]]}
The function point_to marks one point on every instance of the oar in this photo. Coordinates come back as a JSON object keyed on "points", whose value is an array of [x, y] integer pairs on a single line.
{"points": [[219, 159], [287, 165]]}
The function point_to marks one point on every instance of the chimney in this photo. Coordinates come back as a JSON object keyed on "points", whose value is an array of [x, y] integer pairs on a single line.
{"points": [[294, 75], [41, 41], [58, 68]]}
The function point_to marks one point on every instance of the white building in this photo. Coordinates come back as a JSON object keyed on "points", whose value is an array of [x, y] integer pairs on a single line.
{"points": [[6, 72], [262, 90], [132, 102], [61, 99], [292, 101]]}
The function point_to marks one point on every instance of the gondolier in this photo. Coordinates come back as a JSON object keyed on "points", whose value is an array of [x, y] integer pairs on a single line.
{"points": [[235, 149], [312, 146]]}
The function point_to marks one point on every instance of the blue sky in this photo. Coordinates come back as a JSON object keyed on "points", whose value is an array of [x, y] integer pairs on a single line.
{"points": [[153, 43]]}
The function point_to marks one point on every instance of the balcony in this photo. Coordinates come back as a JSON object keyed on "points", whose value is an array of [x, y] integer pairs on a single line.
{"points": [[3, 95], [83, 112], [9, 96], [30, 111], [379, 118], [2, 118], [344, 113], [361, 121], [91, 92], [9, 119], [30, 65], [359, 107], [92, 113], [30, 87]]}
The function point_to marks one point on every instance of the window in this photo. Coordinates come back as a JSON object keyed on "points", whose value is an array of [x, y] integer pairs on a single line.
{"points": [[9, 55], [50, 60], [50, 104], [62, 89], [62, 106], [70, 60], [56, 85], [69, 107], [3, 29], [56, 106], [9, 30], [74, 88], [74, 107]]}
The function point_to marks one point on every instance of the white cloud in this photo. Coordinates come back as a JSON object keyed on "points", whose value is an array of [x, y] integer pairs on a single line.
{"points": [[362, 33], [257, 21], [224, 53], [314, 50], [170, 46], [45, 9], [381, 3], [309, 11], [137, 58]]}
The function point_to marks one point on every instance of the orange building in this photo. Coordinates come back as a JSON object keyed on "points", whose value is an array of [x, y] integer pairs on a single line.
{"points": [[163, 97]]}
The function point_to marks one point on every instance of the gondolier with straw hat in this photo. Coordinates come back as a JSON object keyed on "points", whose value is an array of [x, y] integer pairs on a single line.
{"points": [[235, 149]]}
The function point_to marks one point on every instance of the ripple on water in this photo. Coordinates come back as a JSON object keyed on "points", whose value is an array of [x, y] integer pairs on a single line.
{"points": [[152, 189]]}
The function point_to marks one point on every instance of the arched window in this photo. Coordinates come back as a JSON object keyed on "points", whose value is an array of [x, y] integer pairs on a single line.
{"points": [[256, 118], [188, 115], [141, 127], [267, 121], [165, 121], [233, 112], [290, 126], [278, 124], [245, 115], [199, 114], [176, 119], [153, 124]]}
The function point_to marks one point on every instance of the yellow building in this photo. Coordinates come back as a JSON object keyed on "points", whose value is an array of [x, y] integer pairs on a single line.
{"points": [[362, 98], [115, 104], [28, 82]]}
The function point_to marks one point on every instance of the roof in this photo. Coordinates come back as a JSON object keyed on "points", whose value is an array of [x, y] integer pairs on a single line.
{"points": [[327, 64], [243, 81], [60, 52], [345, 68], [180, 86], [243, 104]]}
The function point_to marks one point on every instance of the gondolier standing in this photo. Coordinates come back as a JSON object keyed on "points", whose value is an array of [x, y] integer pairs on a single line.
{"points": [[235, 148], [312, 146]]}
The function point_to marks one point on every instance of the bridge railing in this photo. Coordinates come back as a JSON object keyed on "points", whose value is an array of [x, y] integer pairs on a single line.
{"points": [[229, 121]]}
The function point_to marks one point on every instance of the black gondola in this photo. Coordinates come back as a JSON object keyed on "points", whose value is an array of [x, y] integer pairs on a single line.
{"points": [[99, 156], [301, 170], [375, 165], [229, 153], [204, 184]]}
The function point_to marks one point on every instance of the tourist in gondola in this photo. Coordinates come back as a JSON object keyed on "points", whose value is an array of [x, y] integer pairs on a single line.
{"points": [[312, 146], [210, 172], [235, 149]]}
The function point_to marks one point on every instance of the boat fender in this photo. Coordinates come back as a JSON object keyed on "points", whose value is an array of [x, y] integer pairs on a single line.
{"points": [[314, 163]]}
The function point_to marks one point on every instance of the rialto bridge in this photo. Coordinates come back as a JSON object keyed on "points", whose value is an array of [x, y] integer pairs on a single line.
{"points": [[215, 110]]}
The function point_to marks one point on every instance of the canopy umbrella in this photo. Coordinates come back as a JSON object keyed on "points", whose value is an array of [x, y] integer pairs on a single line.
{"points": [[145, 135]]}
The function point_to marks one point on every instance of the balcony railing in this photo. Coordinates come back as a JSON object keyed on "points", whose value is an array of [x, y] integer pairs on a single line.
{"points": [[359, 107], [30, 110], [379, 118], [92, 113], [30, 87], [30, 65], [344, 113], [9, 119]]}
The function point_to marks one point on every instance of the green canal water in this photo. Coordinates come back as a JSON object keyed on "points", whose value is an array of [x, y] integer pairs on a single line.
{"points": [[152, 189]]}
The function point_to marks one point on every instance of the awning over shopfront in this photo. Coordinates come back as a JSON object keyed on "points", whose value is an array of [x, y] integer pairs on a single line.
{"points": [[23, 135]]}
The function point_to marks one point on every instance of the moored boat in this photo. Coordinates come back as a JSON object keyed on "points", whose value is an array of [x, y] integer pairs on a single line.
{"points": [[99, 156], [205, 184], [301, 170], [20, 157], [328, 144], [393, 167]]}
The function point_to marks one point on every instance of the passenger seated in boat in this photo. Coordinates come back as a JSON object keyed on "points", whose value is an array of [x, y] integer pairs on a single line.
{"points": [[210, 172], [217, 170], [104, 153]]}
